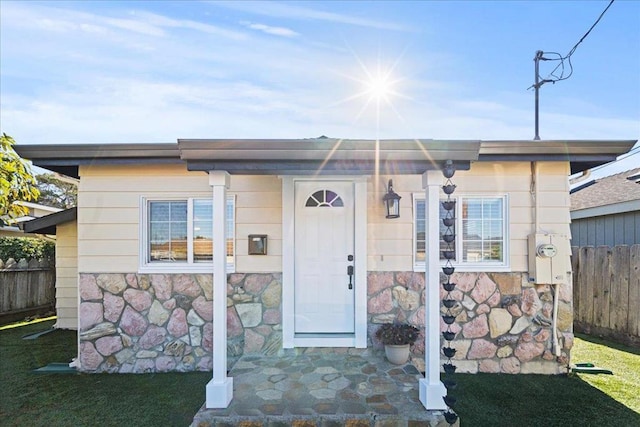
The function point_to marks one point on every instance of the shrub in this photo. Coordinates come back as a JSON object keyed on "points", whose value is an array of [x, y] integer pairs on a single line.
{"points": [[27, 248]]}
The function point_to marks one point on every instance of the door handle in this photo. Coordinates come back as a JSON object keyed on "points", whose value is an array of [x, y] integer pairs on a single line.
{"points": [[350, 273]]}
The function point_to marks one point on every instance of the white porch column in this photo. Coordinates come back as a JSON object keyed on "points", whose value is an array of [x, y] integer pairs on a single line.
{"points": [[219, 391], [431, 388]]}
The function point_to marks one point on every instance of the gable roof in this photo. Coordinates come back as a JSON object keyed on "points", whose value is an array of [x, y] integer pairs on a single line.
{"points": [[612, 194], [324, 155]]}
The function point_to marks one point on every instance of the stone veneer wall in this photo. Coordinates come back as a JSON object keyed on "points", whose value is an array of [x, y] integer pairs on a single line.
{"points": [[163, 322], [396, 296], [503, 323]]}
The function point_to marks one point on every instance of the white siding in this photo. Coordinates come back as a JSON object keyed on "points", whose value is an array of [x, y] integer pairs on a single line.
{"points": [[258, 211], [109, 213], [391, 240], [67, 275], [515, 179]]}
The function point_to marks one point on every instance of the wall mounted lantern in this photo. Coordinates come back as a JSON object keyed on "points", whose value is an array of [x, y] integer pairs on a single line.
{"points": [[392, 202]]}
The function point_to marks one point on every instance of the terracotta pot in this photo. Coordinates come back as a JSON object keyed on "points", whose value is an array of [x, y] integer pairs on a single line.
{"points": [[397, 354]]}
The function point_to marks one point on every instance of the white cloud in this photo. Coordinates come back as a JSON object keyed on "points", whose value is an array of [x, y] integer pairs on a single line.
{"points": [[59, 19], [276, 31], [136, 26], [143, 110], [72, 76], [163, 21], [290, 11]]}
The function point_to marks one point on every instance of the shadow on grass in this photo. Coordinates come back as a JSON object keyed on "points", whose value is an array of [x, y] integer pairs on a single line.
{"points": [[81, 399], [172, 399], [607, 343], [536, 400]]}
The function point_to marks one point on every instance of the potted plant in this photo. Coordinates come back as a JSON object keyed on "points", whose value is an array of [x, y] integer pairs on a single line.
{"points": [[397, 339]]}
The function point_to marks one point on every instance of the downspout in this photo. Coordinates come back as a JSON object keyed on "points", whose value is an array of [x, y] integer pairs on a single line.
{"points": [[556, 288], [534, 195], [554, 321]]}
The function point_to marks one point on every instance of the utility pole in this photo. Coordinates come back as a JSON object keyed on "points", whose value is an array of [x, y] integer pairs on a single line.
{"points": [[536, 88]]}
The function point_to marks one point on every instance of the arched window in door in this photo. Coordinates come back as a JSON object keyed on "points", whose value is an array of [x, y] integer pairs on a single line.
{"points": [[324, 198]]}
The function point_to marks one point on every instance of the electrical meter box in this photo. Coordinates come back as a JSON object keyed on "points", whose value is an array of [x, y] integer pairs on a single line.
{"points": [[548, 259]]}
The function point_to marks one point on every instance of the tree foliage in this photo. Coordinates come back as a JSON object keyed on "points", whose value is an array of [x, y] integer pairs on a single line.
{"points": [[57, 192], [17, 182]]}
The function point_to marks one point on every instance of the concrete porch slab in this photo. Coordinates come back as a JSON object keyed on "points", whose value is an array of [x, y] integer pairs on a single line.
{"points": [[322, 388]]}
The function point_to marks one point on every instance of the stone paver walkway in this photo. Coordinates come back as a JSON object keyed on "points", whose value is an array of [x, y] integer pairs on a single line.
{"points": [[322, 388]]}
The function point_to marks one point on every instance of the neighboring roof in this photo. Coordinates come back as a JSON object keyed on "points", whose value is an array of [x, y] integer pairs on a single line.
{"points": [[47, 224], [612, 194], [33, 207], [324, 155], [37, 206]]}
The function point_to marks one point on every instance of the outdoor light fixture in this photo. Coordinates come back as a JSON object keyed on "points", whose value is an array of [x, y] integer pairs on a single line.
{"points": [[392, 202]]}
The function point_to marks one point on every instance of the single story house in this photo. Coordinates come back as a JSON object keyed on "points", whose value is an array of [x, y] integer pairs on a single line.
{"points": [[191, 253], [606, 211]]}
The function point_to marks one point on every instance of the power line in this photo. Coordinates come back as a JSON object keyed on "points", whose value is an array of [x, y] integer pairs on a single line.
{"points": [[552, 77], [573, 49]]}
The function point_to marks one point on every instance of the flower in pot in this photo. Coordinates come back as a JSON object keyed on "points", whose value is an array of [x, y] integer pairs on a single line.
{"points": [[397, 339]]}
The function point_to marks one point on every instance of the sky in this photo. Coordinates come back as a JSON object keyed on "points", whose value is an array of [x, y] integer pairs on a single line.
{"points": [[136, 72]]}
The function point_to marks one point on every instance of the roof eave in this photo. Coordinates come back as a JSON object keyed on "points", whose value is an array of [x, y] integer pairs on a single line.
{"points": [[332, 167], [324, 154], [66, 158], [47, 224]]}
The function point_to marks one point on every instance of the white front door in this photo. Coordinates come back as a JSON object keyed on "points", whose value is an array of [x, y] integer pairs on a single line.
{"points": [[324, 249]]}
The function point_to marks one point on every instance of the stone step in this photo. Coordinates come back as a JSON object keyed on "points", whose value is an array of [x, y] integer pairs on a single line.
{"points": [[436, 419]]}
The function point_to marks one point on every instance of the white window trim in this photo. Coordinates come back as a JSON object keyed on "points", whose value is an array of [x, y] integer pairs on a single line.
{"points": [[505, 266], [145, 267]]}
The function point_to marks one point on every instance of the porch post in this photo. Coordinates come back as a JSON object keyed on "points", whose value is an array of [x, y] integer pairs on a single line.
{"points": [[431, 388], [219, 391]]}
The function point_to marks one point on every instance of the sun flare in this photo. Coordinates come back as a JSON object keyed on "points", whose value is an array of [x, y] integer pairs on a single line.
{"points": [[379, 87]]}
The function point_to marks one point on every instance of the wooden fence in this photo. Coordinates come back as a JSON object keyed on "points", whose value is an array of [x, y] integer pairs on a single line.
{"points": [[26, 289], [606, 291]]}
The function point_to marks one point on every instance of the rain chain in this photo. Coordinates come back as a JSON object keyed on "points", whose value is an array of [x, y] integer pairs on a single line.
{"points": [[449, 254]]}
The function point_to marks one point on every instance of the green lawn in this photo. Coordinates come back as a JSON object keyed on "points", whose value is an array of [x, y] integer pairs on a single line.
{"points": [[574, 400], [624, 362], [30, 399], [172, 399]]}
